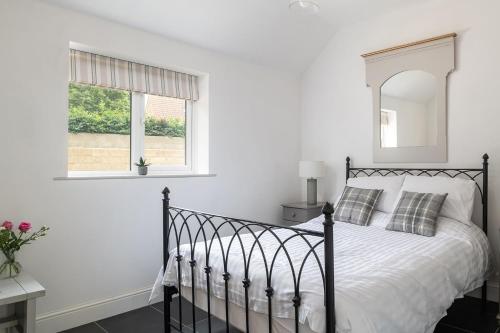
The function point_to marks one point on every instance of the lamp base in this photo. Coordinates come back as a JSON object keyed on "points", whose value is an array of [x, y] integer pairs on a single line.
{"points": [[312, 191]]}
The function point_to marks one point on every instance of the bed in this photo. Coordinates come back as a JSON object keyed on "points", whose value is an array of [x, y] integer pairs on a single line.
{"points": [[324, 276]]}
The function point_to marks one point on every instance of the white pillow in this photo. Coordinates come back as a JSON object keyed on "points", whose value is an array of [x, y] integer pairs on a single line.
{"points": [[459, 203], [390, 184]]}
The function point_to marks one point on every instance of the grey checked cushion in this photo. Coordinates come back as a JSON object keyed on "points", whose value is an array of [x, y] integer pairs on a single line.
{"points": [[416, 213], [356, 205]]}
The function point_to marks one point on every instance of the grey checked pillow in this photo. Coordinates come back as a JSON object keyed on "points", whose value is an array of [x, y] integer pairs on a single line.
{"points": [[356, 205], [417, 213]]}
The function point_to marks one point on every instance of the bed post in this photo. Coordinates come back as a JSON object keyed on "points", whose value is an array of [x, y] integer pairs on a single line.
{"points": [[329, 281], [347, 168], [485, 193], [485, 219], [168, 291]]}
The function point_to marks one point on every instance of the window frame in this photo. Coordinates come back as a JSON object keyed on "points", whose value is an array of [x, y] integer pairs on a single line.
{"points": [[137, 138]]}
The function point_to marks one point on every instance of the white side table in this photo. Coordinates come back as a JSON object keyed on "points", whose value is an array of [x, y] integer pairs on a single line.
{"points": [[18, 303]]}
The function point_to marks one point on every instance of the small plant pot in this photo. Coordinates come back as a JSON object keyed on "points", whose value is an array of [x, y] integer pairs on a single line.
{"points": [[143, 170]]}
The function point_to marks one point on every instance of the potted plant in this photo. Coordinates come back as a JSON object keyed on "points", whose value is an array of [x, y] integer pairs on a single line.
{"points": [[142, 166], [12, 241]]}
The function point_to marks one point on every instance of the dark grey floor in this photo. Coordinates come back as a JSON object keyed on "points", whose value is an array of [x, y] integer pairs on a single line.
{"points": [[465, 316]]}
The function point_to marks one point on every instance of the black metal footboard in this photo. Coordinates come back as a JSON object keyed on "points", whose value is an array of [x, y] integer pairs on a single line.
{"points": [[208, 231]]}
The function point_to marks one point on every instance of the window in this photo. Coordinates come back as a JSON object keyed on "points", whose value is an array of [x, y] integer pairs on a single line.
{"points": [[165, 130], [388, 129], [99, 129], [103, 135], [120, 111]]}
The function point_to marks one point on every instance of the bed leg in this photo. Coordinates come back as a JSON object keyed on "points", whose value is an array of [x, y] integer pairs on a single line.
{"points": [[166, 311], [484, 297], [329, 281], [168, 291]]}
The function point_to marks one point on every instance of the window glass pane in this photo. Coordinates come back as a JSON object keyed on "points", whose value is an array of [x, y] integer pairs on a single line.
{"points": [[165, 126], [99, 129]]}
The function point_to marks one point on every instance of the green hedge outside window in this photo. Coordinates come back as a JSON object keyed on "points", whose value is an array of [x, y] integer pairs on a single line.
{"points": [[107, 111]]}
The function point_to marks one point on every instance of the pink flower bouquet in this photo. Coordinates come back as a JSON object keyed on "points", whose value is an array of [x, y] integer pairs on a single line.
{"points": [[11, 241]]}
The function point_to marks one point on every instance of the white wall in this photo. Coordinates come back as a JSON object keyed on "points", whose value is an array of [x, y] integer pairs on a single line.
{"points": [[336, 116], [105, 240]]}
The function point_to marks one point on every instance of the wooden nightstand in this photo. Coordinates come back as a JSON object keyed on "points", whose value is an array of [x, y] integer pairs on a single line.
{"points": [[294, 213]]}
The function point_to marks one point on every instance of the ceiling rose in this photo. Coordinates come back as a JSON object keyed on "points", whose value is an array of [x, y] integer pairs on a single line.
{"points": [[304, 6]]}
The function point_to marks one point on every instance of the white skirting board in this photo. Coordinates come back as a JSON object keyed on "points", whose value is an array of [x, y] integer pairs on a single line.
{"points": [[89, 312], [86, 313]]}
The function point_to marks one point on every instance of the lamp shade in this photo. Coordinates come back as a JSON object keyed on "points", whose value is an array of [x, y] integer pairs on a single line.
{"points": [[311, 169]]}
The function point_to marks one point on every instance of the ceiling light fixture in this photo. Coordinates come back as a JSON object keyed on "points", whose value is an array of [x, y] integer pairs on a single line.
{"points": [[304, 6]]}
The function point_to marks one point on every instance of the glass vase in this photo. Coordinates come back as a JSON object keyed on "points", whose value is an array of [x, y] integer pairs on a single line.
{"points": [[10, 267]]}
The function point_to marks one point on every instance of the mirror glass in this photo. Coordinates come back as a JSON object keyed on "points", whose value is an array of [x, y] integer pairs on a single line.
{"points": [[408, 110]]}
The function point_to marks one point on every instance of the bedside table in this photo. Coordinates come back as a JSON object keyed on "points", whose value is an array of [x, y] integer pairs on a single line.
{"points": [[295, 213], [18, 303]]}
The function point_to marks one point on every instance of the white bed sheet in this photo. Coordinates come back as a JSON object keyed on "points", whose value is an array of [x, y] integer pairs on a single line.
{"points": [[384, 281]]}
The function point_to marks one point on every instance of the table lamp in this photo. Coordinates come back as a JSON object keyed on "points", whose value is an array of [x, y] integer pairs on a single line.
{"points": [[312, 170]]}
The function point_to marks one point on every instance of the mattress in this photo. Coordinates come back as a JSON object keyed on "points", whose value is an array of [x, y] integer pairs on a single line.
{"points": [[385, 281]]}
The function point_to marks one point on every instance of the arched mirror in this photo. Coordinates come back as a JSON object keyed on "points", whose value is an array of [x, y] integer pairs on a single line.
{"points": [[409, 100], [408, 110]]}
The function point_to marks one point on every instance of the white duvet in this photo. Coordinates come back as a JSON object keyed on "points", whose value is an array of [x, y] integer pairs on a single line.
{"points": [[385, 281]]}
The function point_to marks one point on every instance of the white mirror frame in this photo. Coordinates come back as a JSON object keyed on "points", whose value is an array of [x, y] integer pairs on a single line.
{"points": [[436, 56]]}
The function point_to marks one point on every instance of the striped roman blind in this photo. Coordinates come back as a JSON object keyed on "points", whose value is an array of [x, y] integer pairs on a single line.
{"points": [[103, 71]]}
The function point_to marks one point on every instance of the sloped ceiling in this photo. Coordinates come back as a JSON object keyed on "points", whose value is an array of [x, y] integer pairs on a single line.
{"points": [[260, 31]]}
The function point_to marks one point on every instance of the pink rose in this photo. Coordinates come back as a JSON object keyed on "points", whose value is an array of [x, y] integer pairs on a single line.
{"points": [[24, 226], [7, 225]]}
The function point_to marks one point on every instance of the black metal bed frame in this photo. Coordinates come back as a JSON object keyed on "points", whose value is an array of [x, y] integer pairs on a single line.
{"points": [[471, 174], [207, 228], [205, 223]]}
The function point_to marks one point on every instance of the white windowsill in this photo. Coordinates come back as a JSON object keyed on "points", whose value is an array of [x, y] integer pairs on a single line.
{"points": [[135, 176]]}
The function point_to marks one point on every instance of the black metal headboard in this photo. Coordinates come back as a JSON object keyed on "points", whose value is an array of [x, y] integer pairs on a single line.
{"points": [[479, 176]]}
